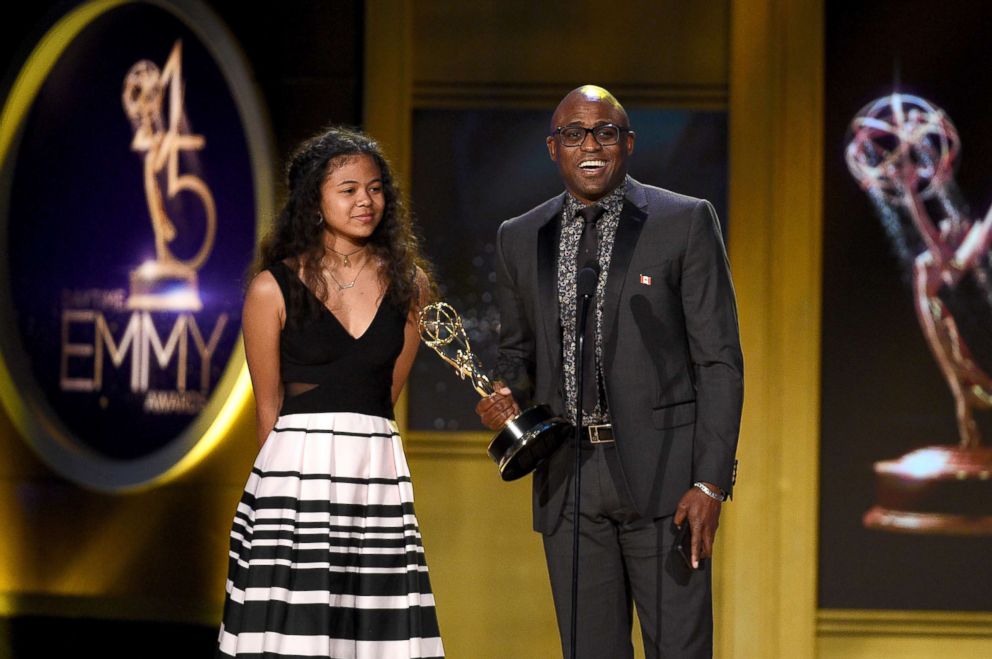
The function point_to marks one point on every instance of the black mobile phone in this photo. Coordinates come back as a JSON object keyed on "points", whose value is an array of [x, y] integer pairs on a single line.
{"points": [[683, 543]]}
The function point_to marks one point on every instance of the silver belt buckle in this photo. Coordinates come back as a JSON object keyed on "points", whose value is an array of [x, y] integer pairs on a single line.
{"points": [[594, 434]]}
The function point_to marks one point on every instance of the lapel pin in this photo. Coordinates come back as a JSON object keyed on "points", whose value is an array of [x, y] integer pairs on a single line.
{"points": [[645, 280]]}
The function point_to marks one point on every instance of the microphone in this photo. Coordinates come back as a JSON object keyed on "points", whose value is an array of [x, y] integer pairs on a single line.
{"points": [[585, 289], [586, 281]]}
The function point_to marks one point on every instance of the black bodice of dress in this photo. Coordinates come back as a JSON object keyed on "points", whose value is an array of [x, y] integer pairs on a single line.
{"points": [[351, 374]]}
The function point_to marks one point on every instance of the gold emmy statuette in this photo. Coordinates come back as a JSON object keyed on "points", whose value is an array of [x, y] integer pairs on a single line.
{"points": [[165, 283], [902, 153], [526, 440]]}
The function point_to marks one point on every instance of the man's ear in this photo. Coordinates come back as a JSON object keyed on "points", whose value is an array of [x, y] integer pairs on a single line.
{"points": [[552, 149]]}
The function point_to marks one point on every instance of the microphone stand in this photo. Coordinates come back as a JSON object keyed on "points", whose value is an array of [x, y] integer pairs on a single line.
{"points": [[586, 280]]}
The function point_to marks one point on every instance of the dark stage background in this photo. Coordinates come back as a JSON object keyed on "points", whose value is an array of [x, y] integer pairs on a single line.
{"points": [[882, 392]]}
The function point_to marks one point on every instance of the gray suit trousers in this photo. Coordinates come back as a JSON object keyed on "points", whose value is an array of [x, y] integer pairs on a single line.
{"points": [[625, 558]]}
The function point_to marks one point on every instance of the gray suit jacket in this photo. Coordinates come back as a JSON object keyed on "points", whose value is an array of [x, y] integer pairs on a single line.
{"points": [[673, 367]]}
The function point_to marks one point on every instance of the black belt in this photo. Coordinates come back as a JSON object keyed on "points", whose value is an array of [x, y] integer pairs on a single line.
{"points": [[597, 434]]}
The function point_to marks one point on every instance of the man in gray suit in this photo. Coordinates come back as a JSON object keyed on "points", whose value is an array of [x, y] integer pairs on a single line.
{"points": [[662, 393]]}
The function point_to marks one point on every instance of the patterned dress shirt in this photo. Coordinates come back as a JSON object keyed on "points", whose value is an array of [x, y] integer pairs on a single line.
{"points": [[568, 249]]}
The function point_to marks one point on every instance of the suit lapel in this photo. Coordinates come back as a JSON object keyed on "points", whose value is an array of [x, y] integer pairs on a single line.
{"points": [[547, 281], [632, 217]]}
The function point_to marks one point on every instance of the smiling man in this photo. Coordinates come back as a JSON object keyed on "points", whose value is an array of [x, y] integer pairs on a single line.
{"points": [[661, 395]]}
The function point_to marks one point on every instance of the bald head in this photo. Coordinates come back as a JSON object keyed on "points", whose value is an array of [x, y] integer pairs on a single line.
{"points": [[587, 94], [589, 168]]}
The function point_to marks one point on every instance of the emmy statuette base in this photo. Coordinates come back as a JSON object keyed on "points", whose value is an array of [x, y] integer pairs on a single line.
{"points": [[164, 286], [934, 490], [526, 440]]}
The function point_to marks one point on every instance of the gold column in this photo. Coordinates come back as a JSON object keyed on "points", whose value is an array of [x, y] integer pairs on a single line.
{"points": [[389, 79], [767, 568]]}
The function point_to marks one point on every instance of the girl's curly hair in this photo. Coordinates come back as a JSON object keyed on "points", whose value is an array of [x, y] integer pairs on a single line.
{"points": [[297, 235]]}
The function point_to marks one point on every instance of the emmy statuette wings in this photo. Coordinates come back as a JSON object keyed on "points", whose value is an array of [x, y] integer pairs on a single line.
{"points": [[441, 329]]}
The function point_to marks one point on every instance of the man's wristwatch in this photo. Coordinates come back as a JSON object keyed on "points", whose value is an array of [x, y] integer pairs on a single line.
{"points": [[718, 495]]}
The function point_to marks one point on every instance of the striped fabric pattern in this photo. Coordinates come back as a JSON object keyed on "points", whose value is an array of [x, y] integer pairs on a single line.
{"points": [[326, 557]]}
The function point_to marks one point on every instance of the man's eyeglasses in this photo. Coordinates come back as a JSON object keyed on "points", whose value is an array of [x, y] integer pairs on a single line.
{"points": [[605, 134]]}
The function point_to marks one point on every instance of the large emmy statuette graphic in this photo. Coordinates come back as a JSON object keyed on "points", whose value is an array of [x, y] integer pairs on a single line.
{"points": [[525, 440], [167, 282], [902, 153]]}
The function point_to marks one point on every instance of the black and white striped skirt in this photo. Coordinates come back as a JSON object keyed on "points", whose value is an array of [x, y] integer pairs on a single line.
{"points": [[326, 558]]}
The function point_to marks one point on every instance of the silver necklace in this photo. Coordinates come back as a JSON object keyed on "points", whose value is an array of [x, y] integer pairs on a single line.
{"points": [[348, 284], [344, 256]]}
